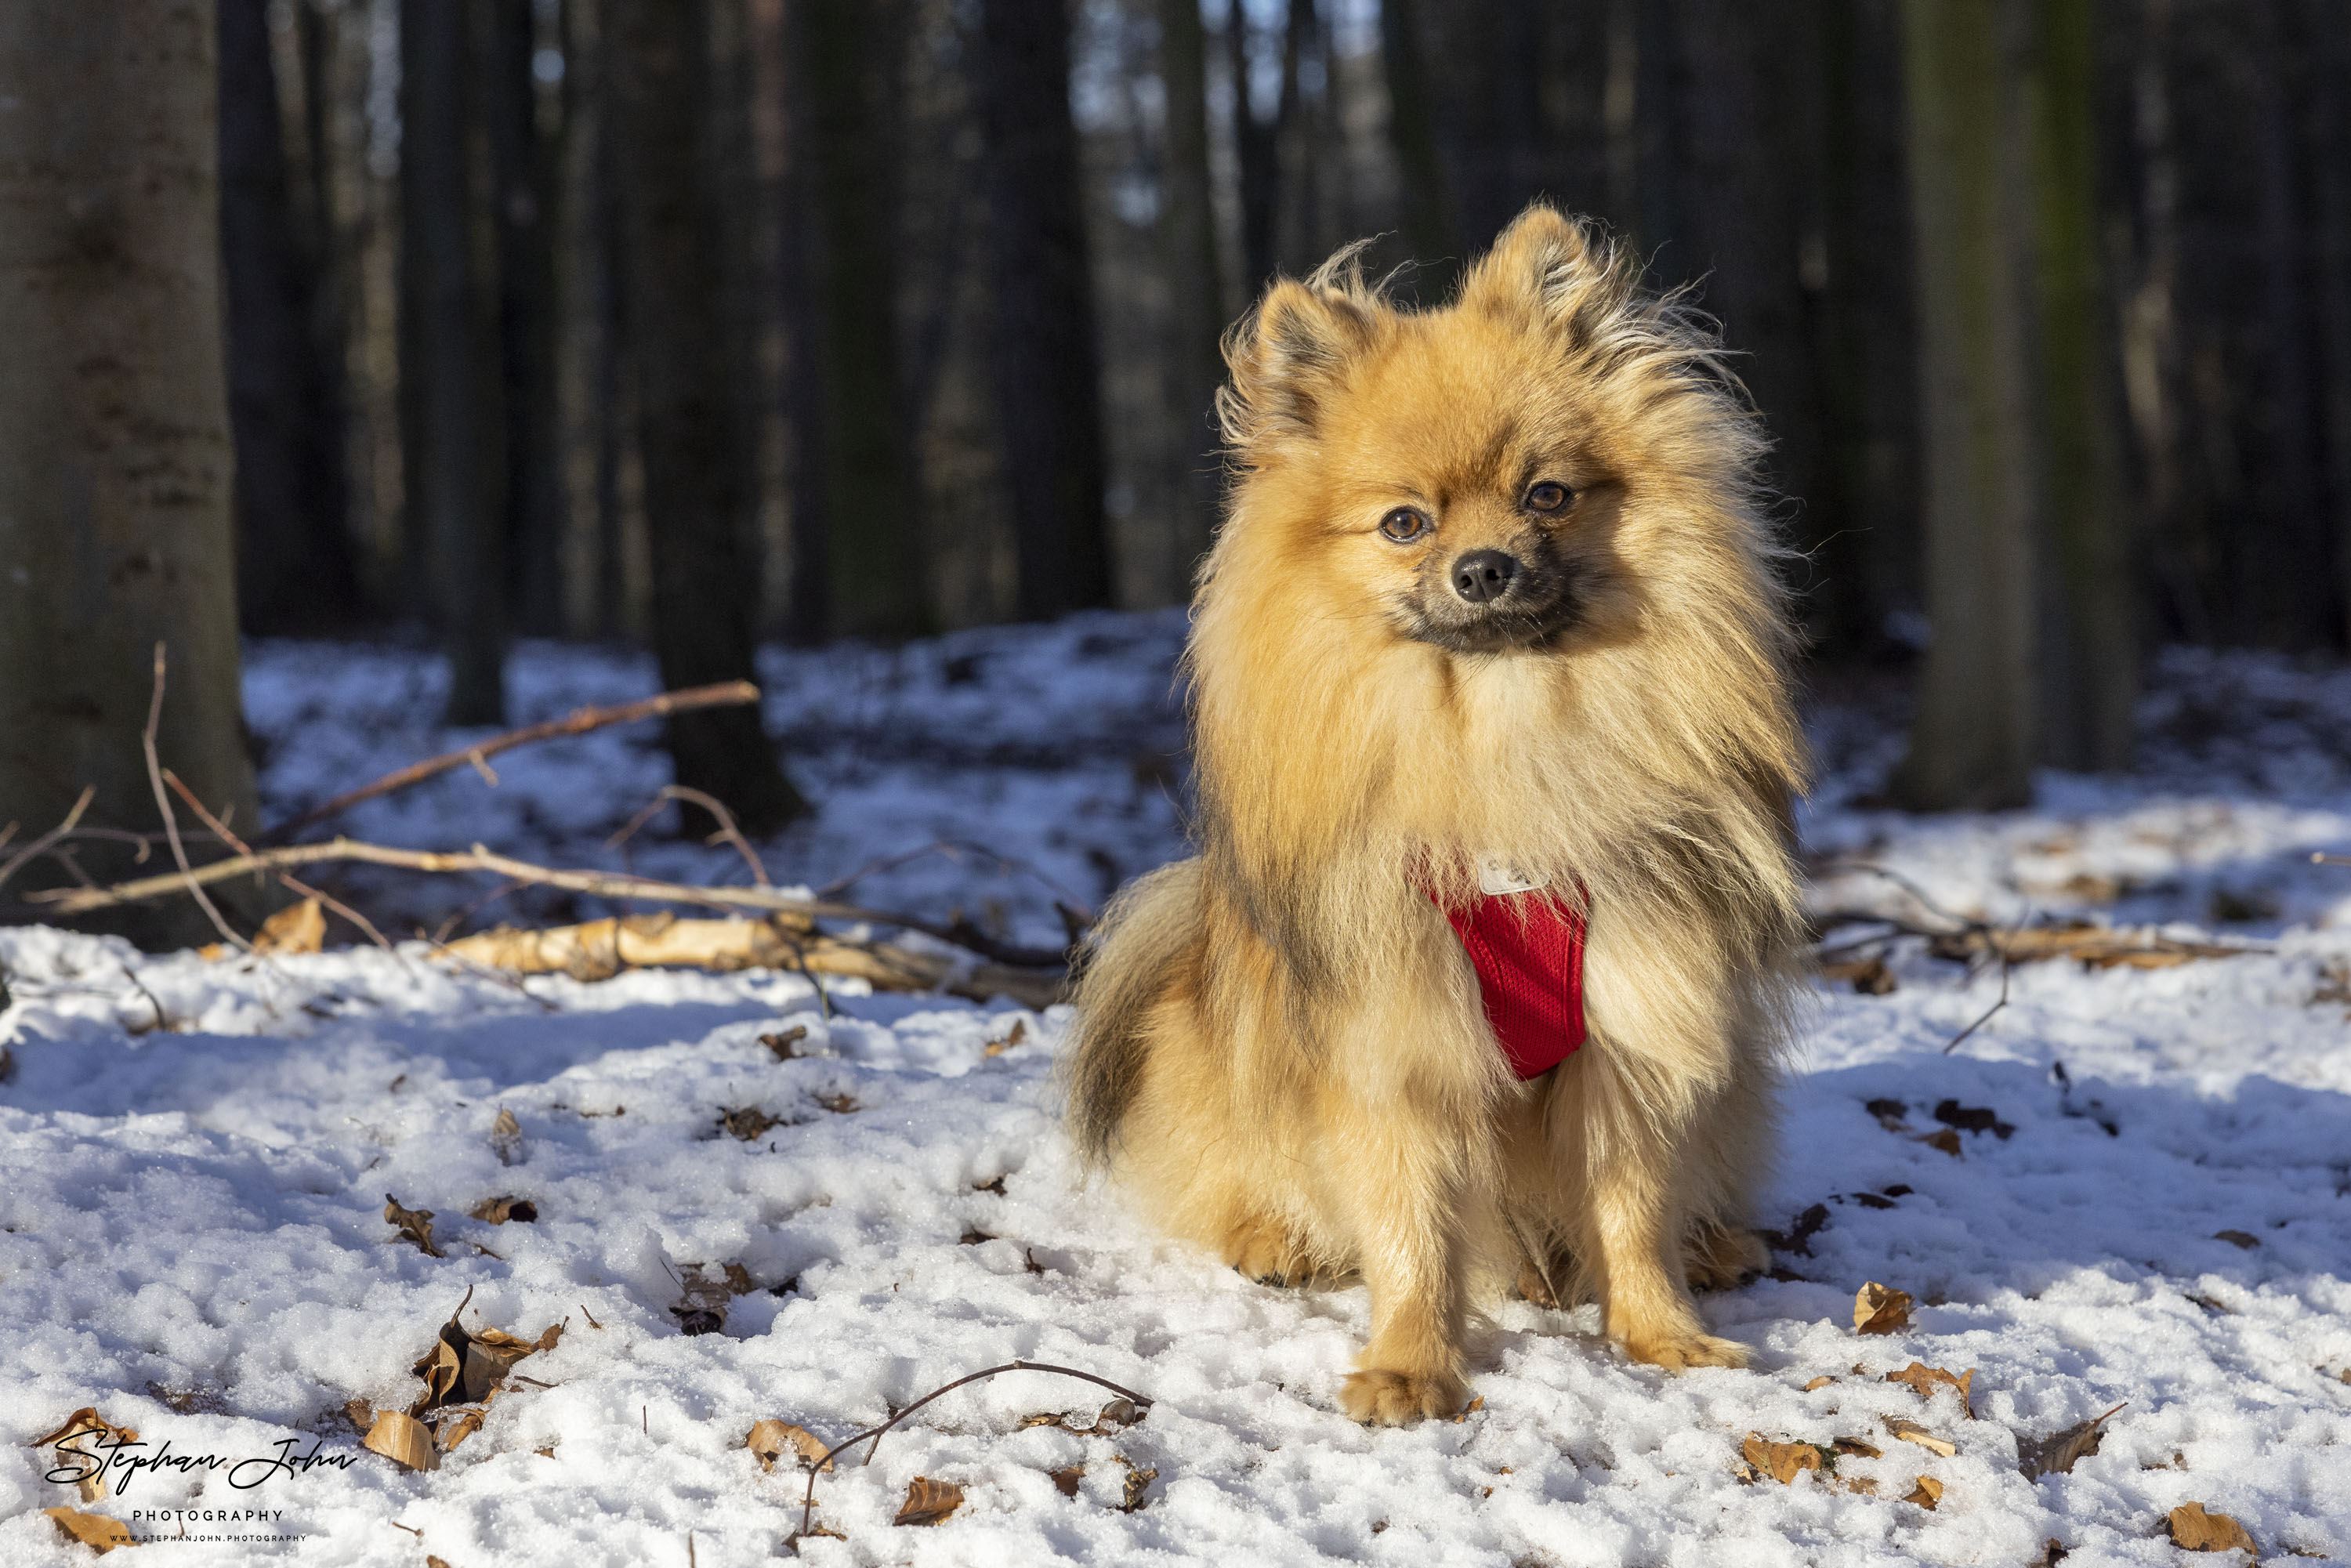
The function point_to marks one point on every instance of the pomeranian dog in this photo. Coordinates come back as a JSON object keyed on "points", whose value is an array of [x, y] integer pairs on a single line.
{"points": [[1479, 976]]}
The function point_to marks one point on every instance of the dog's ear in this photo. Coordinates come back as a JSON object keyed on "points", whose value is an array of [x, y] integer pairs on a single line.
{"points": [[1288, 357], [1544, 263]]}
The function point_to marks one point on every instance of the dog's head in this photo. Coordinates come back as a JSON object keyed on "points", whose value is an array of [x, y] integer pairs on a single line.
{"points": [[1525, 470]]}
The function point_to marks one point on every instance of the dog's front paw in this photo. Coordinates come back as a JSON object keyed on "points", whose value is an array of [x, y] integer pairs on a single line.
{"points": [[1382, 1398], [1679, 1352]]}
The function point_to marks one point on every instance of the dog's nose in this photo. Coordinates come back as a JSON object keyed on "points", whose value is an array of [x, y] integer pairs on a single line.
{"points": [[1484, 574]]}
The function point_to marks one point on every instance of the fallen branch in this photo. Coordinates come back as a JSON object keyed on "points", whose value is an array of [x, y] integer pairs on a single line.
{"points": [[603, 884], [725, 694], [2097, 946], [171, 820], [598, 949], [807, 1505], [285, 879]]}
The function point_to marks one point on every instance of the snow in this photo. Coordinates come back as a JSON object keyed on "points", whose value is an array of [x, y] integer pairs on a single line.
{"points": [[194, 1158]]}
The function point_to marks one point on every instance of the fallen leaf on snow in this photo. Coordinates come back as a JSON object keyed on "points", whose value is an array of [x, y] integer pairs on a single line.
{"points": [[1911, 1432], [1820, 1382], [359, 1414], [769, 1439], [786, 1045], [839, 1104], [1138, 1482], [2058, 1453], [928, 1502], [506, 1138], [1857, 1448], [1879, 1308], [1783, 1462], [747, 1123], [402, 1440], [1973, 1119], [998, 1047], [499, 1210], [1930, 1492], [2197, 1530], [1946, 1140], [95, 1531], [2237, 1239], [1924, 1380], [1869, 976], [703, 1300], [1068, 1480], [416, 1224], [297, 928], [87, 1457]]}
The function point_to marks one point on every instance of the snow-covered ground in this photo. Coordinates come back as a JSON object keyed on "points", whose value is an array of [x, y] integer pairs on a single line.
{"points": [[194, 1160]]}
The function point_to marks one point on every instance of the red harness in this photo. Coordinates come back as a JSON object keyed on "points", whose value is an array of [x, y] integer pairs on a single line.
{"points": [[1527, 950]]}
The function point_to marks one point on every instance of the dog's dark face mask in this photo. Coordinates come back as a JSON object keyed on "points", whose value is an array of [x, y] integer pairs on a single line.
{"points": [[1521, 591]]}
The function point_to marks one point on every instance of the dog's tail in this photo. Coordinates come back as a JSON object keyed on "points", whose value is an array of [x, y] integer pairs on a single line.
{"points": [[1146, 933]]}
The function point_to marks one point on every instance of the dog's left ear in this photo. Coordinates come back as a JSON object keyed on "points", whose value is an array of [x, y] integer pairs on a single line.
{"points": [[1544, 263]]}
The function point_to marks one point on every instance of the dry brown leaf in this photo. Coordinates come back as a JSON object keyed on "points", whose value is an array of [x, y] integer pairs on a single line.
{"points": [[839, 1104], [2059, 1452], [87, 1457], [359, 1414], [1783, 1462], [455, 1432], [703, 1300], [1019, 1032], [1466, 1412], [738, 1279], [770, 1438], [2238, 1240], [1068, 1480], [506, 1138], [1869, 976], [1820, 1382], [785, 1046], [1946, 1140], [1880, 1309], [1862, 1484], [415, 1224], [748, 1122], [1911, 1432], [928, 1502], [1138, 1482], [499, 1211], [1924, 1380], [1930, 1492], [2197, 1530], [2095, 947], [1857, 1448], [297, 928], [402, 1440], [95, 1531]]}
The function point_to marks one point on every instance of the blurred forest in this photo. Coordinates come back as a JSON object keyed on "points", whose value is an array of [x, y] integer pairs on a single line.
{"points": [[695, 322]]}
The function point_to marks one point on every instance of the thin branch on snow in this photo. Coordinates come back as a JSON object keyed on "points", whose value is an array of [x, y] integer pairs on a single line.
{"points": [[727, 832], [725, 694]]}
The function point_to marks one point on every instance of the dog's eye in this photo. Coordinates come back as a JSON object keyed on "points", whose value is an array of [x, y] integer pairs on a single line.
{"points": [[1548, 496], [1405, 525]]}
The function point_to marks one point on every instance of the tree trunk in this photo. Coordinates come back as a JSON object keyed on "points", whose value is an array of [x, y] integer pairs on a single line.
{"points": [[2289, 598], [116, 460], [451, 424], [2150, 339], [1973, 740], [1428, 228], [1048, 376], [2331, 129], [525, 163], [294, 556], [864, 575], [1196, 365], [2089, 656], [697, 464]]}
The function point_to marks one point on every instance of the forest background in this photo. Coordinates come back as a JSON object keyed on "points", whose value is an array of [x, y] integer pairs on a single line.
{"points": [[696, 322]]}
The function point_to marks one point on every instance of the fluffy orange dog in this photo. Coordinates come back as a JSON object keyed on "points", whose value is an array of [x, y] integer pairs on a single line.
{"points": [[1493, 592]]}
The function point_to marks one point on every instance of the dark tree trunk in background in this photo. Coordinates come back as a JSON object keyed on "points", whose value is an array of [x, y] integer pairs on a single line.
{"points": [[1197, 307], [1974, 737], [2292, 596], [116, 459], [1428, 228], [452, 426], [525, 165], [697, 464], [1257, 154], [294, 554], [1047, 375], [2150, 338], [864, 576], [2331, 170], [2089, 655]]}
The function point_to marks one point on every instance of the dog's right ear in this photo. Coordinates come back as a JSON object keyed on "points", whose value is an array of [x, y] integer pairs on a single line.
{"points": [[1287, 357]]}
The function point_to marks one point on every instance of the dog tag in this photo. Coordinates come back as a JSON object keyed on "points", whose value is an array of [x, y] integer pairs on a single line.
{"points": [[1494, 878]]}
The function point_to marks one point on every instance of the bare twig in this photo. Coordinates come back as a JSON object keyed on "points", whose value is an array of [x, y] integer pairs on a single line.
{"points": [[2319, 858], [22, 856], [170, 821], [725, 694], [952, 849], [285, 879], [807, 1505], [1914, 890], [727, 832], [2007, 970], [603, 884]]}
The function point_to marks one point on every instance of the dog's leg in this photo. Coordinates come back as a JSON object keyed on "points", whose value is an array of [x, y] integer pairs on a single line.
{"points": [[1724, 1256], [1636, 1229], [1406, 1211], [1267, 1250]]}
